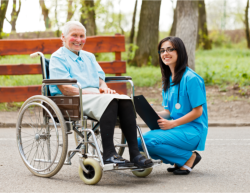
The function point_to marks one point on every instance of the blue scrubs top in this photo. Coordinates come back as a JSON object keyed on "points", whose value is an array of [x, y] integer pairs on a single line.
{"points": [[192, 94], [65, 64]]}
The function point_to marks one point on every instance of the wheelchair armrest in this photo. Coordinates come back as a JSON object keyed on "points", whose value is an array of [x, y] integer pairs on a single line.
{"points": [[109, 78], [60, 81]]}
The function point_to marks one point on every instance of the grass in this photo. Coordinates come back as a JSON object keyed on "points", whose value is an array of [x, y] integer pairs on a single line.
{"points": [[224, 66], [10, 106], [217, 67]]}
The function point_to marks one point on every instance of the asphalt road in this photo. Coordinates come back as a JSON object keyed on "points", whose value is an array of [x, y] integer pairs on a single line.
{"points": [[224, 168]]}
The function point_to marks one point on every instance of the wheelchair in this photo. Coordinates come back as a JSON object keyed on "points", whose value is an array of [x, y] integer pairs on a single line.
{"points": [[44, 123]]}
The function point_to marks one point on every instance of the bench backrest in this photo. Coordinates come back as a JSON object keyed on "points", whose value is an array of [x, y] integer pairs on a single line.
{"points": [[95, 44]]}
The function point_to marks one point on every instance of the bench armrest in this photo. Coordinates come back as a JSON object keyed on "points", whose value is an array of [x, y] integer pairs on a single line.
{"points": [[110, 78], [60, 81]]}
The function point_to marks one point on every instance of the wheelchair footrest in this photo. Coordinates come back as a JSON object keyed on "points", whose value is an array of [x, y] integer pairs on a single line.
{"points": [[108, 167], [121, 145], [157, 162]]}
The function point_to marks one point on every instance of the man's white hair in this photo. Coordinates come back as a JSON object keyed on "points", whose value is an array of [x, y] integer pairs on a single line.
{"points": [[71, 24]]}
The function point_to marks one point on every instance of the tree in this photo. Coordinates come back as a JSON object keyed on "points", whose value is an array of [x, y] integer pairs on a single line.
{"points": [[88, 16], [187, 27], [203, 38], [3, 9], [173, 28], [45, 12], [132, 32], [70, 10], [120, 19], [148, 34], [14, 14], [56, 19], [247, 25]]}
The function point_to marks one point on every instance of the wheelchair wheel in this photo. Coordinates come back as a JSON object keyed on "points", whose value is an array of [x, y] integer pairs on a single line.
{"points": [[95, 172], [42, 142], [144, 172], [119, 138]]}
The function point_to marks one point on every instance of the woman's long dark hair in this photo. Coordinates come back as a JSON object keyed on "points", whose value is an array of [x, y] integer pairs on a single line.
{"points": [[181, 63]]}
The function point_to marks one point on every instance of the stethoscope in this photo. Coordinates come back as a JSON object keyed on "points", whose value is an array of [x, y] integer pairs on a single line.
{"points": [[177, 105]]}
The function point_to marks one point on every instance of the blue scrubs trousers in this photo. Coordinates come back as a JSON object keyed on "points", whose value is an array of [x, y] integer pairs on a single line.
{"points": [[173, 146]]}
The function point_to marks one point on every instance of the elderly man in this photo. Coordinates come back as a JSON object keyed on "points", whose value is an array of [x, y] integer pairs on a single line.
{"points": [[99, 101]]}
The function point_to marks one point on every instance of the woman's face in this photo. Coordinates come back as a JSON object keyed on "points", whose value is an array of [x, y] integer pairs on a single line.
{"points": [[75, 39], [170, 56]]}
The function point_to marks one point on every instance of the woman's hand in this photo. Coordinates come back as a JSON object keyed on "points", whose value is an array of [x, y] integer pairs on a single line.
{"points": [[107, 91], [166, 124]]}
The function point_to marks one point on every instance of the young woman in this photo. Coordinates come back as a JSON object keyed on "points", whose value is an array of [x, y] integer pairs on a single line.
{"points": [[183, 121]]}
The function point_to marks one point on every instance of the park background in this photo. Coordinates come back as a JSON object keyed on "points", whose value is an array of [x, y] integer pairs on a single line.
{"points": [[217, 39]]}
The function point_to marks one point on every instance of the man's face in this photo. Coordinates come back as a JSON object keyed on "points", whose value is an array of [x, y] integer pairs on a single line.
{"points": [[75, 39]]}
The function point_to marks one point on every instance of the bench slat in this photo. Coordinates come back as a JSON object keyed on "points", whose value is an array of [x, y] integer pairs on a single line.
{"points": [[95, 44], [23, 69], [22, 93]]}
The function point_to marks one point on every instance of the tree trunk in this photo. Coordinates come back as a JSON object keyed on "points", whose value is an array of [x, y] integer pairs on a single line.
{"points": [[120, 19], [187, 27], [70, 10], [14, 14], [56, 20], [132, 32], [203, 38], [247, 25], [3, 8], [173, 28], [148, 34], [45, 12], [88, 16]]}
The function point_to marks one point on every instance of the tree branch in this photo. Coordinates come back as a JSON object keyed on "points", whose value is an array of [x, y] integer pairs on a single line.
{"points": [[19, 7], [7, 20]]}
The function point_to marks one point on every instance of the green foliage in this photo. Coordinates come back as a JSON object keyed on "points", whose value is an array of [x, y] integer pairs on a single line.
{"points": [[21, 80], [144, 76], [219, 39], [131, 52], [4, 35], [21, 59], [163, 34], [10, 106]]}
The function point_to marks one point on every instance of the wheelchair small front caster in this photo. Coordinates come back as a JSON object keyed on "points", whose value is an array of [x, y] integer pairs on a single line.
{"points": [[144, 172], [95, 171]]}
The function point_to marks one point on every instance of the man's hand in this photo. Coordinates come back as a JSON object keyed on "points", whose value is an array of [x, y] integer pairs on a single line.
{"points": [[107, 91], [166, 124]]}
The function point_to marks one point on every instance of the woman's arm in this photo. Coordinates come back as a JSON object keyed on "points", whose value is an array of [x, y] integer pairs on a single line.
{"points": [[164, 114], [104, 88], [69, 90], [192, 115]]}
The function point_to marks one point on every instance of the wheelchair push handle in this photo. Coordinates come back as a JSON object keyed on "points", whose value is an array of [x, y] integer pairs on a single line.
{"points": [[34, 55]]}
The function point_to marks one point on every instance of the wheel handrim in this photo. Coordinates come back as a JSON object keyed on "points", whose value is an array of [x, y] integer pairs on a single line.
{"points": [[38, 137]]}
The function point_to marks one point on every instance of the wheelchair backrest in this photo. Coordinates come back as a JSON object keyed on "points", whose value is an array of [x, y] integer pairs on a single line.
{"points": [[46, 73], [46, 67]]}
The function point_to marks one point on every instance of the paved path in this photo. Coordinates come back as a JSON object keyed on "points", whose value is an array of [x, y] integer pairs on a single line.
{"points": [[224, 168]]}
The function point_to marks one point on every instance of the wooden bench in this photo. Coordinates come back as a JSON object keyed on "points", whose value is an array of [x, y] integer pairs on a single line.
{"points": [[95, 44]]}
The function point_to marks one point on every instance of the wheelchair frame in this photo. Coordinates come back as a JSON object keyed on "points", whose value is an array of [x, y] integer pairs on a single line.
{"points": [[82, 148]]}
